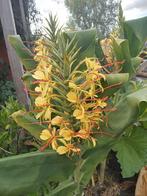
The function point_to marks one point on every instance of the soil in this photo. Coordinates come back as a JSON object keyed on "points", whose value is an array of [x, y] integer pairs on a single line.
{"points": [[114, 184]]}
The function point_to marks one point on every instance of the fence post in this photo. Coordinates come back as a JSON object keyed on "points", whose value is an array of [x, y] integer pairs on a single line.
{"points": [[8, 26]]}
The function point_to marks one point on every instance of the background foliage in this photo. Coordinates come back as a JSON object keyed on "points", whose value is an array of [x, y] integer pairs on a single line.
{"points": [[99, 14]]}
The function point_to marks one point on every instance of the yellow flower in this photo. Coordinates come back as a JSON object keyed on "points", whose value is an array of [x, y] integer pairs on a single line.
{"points": [[66, 133], [43, 74], [95, 76], [85, 134], [50, 136], [62, 150], [93, 141], [92, 64], [38, 89], [43, 63], [72, 97], [91, 92], [39, 75], [40, 101], [101, 103], [47, 114], [79, 113], [72, 85], [68, 148], [45, 134], [58, 120], [38, 115]]}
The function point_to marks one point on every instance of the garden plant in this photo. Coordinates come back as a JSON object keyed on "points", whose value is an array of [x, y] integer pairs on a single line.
{"points": [[85, 102]]}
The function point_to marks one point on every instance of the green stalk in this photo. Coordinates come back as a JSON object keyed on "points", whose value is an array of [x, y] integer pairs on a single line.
{"points": [[101, 175], [92, 181]]}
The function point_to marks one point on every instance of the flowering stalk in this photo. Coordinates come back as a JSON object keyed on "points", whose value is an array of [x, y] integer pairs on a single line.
{"points": [[71, 108]]}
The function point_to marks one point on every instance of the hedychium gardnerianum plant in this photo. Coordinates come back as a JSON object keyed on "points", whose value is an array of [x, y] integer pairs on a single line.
{"points": [[74, 113], [67, 93], [67, 100]]}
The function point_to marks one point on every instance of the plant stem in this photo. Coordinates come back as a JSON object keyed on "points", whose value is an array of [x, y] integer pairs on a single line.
{"points": [[102, 172], [92, 181], [5, 150]]}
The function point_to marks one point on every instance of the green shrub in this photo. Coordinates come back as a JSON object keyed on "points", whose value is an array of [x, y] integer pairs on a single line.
{"points": [[9, 130], [7, 90]]}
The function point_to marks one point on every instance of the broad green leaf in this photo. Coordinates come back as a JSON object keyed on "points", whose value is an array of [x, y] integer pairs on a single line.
{"points": [[28, 80], [29, 123], [113, 82], [122, 54], [85, 169], [23, 52], [117, 78], [26, 173], [66, 187], [143, 112], [144, 124], [136, 61], [136, 33], [143, 117], [127, 111], [132, 152]]}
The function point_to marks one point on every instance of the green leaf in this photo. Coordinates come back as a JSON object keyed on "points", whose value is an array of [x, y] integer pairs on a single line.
{"points": [[26, 173], [136, 61], [113, 82], [29, 123], [28, 80], [136, 33], [127, 111], [117, 78], [99, 52], [85, 168], [92, 158], [132, 152], [23, 52], [122, 53], [66, 187], [143, 111]]}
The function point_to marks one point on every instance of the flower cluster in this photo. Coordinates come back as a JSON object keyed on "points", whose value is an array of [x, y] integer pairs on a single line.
{"points": [[42, 74], [84, 109]]}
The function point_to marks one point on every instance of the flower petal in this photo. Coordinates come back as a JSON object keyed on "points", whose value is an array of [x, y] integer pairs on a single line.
{"points": [[57, 120], [39, 75], [45, 134], [62, 150], [72, 97]]}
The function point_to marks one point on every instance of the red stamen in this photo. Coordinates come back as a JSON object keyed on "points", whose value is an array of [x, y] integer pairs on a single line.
{"points": [[39, 81], [108, 87], [47, 144]]}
